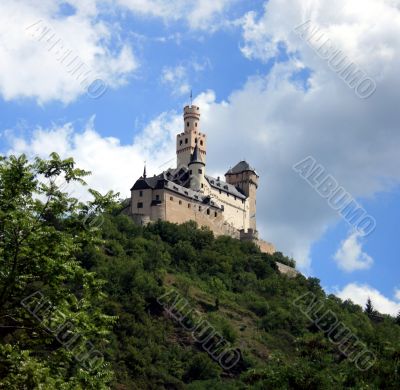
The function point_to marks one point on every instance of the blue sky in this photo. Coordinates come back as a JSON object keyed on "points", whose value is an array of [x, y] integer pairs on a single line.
{"points": [[267, 94]]}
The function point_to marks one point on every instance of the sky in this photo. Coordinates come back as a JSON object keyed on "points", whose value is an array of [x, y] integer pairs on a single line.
{"points": [[278, 82]]}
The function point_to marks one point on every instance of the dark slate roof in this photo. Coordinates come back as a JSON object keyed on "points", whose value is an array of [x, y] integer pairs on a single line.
{"points": [[223, 186], [195, 157], [148, 182], [174, 180], [240, 167], [177, 180]]}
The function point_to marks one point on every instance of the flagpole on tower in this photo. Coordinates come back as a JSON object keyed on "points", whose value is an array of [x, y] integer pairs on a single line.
{"points": [[191, 98]]}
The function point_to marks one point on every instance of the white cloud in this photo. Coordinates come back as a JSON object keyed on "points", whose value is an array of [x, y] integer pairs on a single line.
{"points": [[30, 69], [352, 26], [359, 293], [275, 123], [350, 256], [198, 14], [178, 78], [113, 166]]}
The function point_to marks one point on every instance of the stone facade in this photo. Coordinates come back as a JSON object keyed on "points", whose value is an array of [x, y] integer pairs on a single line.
{"points": [[186, 193]]}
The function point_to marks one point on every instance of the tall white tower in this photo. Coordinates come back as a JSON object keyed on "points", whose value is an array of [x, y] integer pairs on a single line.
{"points": [[192, 136]]}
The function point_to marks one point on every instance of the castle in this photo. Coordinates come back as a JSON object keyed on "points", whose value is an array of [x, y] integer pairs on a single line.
{"points": [[187, 193]]}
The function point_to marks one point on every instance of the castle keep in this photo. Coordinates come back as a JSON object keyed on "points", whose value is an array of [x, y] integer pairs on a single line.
{"points": [[184, 193]]}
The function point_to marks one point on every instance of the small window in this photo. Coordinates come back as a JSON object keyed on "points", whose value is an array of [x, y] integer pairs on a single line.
{"points": [[188, 205], [200, 171], [180, 202], [199, 208], [171, 198], [215, 214], [140, 193], [186, 141], [201, 142], [157, 197], [195, 124], [202, 185], [140, 205], [187, 124], [208, 211], [220, 192], [180, 142]]}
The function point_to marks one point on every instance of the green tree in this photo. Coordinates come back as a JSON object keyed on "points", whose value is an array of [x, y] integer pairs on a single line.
{"points": [[369, 308], [50, 307], [398, 318]]}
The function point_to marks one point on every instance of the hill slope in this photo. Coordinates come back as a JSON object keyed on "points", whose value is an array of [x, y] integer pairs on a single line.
{"points": [[89, 300], [284, 341]]}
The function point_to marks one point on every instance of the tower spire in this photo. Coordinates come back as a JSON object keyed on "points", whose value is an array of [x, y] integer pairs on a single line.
{"points": [[144, 171]]}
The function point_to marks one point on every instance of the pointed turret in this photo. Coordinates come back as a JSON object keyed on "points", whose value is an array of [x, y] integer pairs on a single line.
{"points": [[196, 170], [195, 157]]}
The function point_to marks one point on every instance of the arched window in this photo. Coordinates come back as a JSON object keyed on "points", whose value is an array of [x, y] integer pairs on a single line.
{"points": [[201, 142]]}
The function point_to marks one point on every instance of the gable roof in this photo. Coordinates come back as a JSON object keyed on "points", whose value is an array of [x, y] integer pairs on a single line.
{"points": [[240, 167]]}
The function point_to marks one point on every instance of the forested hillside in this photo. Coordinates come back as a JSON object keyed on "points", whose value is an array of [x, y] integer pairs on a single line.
{"points": [[89, 300]]}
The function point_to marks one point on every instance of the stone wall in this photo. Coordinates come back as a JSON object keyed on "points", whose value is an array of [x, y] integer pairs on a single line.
{"points": [[235, 210], [286, 270], [266, 247], [180, 209]]}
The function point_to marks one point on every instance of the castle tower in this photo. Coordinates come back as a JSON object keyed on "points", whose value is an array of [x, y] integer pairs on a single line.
{"points": [[245, 177], [197, 170], [192, 136]]}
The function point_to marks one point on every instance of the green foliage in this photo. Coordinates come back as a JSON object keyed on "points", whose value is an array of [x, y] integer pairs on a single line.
{"points": [[104, 274], [369, 309], [41, 235]]}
